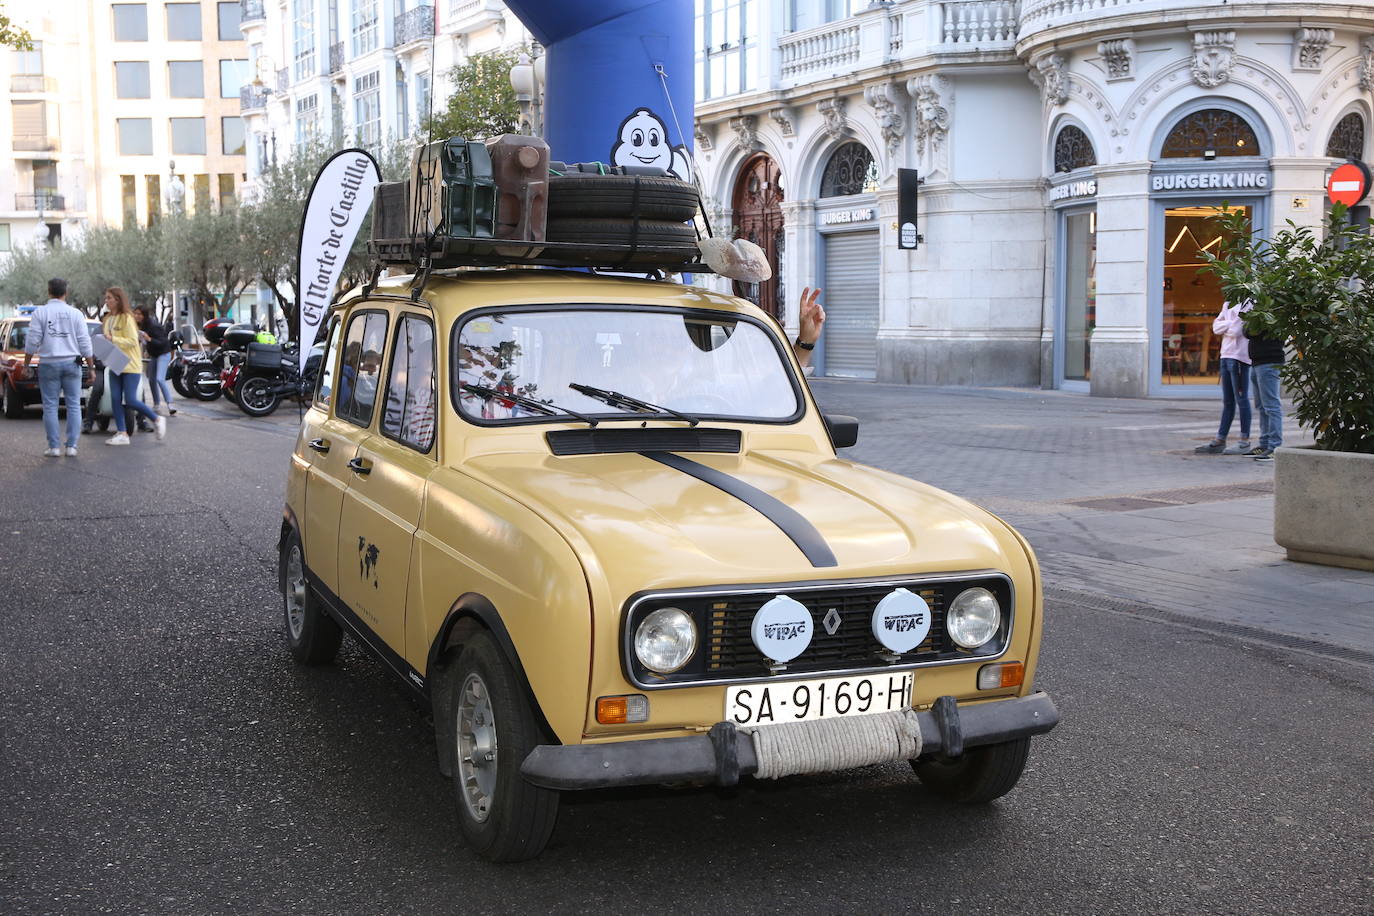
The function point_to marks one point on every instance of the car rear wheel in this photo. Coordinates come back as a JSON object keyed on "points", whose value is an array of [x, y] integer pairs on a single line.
{"points": [[311, 634], [10, 401], [979, 775], [503, 817]]}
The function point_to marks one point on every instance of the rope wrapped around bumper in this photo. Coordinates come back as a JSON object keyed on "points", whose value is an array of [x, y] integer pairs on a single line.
{"points": [[823, 745]]}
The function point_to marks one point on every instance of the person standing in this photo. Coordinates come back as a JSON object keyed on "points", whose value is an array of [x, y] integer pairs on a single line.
{"points": [[1266, 359], [159, 357], [59, 338], [1235, 379], [122, 330]]}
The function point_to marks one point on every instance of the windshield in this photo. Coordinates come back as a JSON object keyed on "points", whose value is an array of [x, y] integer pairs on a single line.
{"points": [[695, 363]]}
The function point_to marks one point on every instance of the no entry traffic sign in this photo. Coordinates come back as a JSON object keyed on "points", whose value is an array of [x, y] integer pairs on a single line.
{"points": [[1348, 184]]}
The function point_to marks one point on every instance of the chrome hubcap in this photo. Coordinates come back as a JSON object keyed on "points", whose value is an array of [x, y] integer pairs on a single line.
{"points": [[476, 747], [295, 594]]}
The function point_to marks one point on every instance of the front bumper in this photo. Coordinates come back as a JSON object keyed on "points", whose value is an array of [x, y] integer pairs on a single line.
{"points": [[726, 753]]}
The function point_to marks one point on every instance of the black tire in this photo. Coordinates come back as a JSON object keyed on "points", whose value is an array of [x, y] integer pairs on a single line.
{"points": [[595, 234], [582, 196], [13, 405], [503, 817], [202, 382], [231, 395], [311, 634], [103, 424], [979, 776], [180, 386], [258, 397]]}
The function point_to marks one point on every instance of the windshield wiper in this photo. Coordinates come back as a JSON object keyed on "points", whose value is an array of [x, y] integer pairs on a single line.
{"points": [[547, 409], [616, 399]]}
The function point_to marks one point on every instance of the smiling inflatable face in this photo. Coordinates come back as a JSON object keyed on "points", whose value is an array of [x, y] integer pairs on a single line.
{"points": [[643, 141]]}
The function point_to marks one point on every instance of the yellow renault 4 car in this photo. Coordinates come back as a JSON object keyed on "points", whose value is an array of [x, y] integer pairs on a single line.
{"points": [[600, 525]]}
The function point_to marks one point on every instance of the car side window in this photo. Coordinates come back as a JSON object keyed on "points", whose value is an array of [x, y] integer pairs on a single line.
{"points": [[17, 336], [409, 413], [324, 385], [361, 367]]}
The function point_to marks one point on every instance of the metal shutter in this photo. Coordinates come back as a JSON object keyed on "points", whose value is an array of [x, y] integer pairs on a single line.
{"points": [[851, 304]]}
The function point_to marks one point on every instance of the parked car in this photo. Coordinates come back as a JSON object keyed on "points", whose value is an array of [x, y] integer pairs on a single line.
{"points": [[18, 392], [601, 526]]}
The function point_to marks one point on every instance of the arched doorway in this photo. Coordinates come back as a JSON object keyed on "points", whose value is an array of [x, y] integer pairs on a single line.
{"points": [[758, 217]]}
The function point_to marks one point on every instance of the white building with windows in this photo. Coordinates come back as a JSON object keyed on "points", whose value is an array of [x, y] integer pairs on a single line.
{"points": [[1072, 151], [357, 72]]}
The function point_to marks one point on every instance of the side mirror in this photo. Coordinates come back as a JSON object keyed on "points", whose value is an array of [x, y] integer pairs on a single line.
{"points": [[844, 431]]}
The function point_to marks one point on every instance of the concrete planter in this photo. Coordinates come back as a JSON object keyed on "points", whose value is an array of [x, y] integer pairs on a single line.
{"points": [[1324, 506]]}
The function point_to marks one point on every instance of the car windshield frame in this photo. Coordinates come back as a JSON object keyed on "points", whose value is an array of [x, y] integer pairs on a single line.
{"points": [[612, 414]]}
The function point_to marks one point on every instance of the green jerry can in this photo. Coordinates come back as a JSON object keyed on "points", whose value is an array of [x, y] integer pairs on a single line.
{"points": [[453, 194]]}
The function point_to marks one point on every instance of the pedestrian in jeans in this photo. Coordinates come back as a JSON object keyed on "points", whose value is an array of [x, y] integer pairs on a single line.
{"points": [[159, 357], [1266, 359], [1235, 380], [123, 332], [58, 337]]}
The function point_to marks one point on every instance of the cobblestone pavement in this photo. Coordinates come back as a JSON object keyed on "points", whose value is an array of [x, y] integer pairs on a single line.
{"points": [[1119, 509]]}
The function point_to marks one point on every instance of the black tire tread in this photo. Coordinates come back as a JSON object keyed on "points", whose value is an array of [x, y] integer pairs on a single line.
{"points": [[14, 404], [613, 196], [981, 775], [321, 635], [267, 412], [620, 232]]}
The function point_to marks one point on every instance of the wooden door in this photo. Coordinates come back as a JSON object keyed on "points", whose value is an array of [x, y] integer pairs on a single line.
{"points": [[758, 218]]}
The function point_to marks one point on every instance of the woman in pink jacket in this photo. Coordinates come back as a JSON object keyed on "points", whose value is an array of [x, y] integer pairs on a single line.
{"points": [[1235, 380]]}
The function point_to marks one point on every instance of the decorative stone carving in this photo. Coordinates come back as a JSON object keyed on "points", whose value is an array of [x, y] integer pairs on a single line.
{"points": [[1119, 56], [1367, 64], [1309, 47], [1214, 54], [932, 116], [746, 128], [886, 100], [786, 119], [702, 137], [1051, 74], [832, 110]]}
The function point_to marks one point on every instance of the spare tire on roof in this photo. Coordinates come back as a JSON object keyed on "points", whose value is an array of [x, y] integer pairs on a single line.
{"points": [[578, 194], [668, 243]]}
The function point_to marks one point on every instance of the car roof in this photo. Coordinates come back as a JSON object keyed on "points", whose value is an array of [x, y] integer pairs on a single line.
{"points": [[454, 293]]}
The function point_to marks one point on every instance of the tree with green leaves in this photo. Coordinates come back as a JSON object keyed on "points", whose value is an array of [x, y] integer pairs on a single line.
{"points": [[13, 36], [206, 253], [483, 101], [105, 256]]}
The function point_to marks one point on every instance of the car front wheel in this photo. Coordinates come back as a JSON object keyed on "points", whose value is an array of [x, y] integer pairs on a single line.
{"points": [[12, 404], [311, 634], [979, 775], [503, 817]]}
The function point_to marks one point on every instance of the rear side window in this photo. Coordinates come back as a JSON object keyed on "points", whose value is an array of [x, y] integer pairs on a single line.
{"points": [[361, 368], [324, 389], [17, 335], [409, 413]]}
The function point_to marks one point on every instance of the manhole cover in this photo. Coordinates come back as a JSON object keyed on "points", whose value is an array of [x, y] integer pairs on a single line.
{"points": [[1120, 503]]}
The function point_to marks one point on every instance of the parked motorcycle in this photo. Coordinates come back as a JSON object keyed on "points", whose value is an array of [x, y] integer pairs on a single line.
{"points": [[204, 380], [269, 374]]}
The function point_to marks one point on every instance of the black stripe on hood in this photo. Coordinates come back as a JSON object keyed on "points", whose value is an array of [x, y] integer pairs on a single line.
{"points": [[789, 521]]}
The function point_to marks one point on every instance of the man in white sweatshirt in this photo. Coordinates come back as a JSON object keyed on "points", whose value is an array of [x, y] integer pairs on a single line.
{"points": [[58, 336]]}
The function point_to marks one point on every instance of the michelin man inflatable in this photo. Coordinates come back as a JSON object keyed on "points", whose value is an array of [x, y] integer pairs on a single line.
{"points": [[643, 141]]}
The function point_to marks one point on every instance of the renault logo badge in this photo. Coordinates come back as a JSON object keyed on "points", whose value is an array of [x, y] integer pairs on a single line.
{"points": [[831, 621]]}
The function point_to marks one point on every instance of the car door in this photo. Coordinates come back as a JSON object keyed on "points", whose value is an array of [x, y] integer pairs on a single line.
{"points": [[381, 508], [336, 423]]}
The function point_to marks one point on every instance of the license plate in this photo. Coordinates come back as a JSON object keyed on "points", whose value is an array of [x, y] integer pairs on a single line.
{"points": [[803, 701]]}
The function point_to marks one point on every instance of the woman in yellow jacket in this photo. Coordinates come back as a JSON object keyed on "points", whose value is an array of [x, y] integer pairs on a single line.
{"points": [[122, 330]]}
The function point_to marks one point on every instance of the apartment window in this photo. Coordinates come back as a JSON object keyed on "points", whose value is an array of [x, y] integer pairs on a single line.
{"points": [[153, 186], [186, 79], [365, 30], [230, 16], [135, 136], [303, 39], [128, 195], [424, 88], [188, 136], [130, 21], [402, 109], [202, 193], [28, 63], [45, 178], [233, 76], [727, 41], [131, 79], [307, 118], [183, 21], [367, 109], [227, 200], [4, 236], [231, 136]]}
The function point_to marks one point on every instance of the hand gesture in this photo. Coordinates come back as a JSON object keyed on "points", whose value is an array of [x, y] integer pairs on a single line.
{"points": [[812, 317]]}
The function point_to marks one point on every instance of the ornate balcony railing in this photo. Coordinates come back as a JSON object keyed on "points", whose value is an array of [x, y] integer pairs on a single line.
{"points": [[414, 25], [251, 10], [820, 51], [336, 57], [253, 98], [979, 24], [32, 83], [40, 200]]}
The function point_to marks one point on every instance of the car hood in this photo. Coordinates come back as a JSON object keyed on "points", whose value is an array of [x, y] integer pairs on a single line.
{"points": [[650, 524]]}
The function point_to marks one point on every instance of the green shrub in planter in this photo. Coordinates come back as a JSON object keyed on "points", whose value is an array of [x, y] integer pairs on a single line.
{"points": [[1317, 293]]}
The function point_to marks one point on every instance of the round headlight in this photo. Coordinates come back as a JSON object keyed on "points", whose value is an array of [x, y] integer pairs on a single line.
{"points": [[665, 640], [973, 617]]}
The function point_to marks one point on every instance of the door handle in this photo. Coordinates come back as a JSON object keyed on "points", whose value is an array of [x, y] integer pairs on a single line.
{"points": [[320, 445], [360, 466]]}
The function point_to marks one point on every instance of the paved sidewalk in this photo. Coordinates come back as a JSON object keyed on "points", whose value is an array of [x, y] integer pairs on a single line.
{"points": [[1120, 511]]}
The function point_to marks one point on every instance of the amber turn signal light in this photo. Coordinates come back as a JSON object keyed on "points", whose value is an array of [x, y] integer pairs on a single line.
{"points": [[997, 677], [622, 710]]}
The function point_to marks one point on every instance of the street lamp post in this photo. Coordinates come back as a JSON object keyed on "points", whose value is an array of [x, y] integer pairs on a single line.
{"points": [[527, 79]]}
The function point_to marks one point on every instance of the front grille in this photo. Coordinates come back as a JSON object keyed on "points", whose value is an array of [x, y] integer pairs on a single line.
{"points": [[728, 653]]}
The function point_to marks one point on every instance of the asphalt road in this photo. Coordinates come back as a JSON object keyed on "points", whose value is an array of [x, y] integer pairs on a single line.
{"points": [[161, 753]]}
